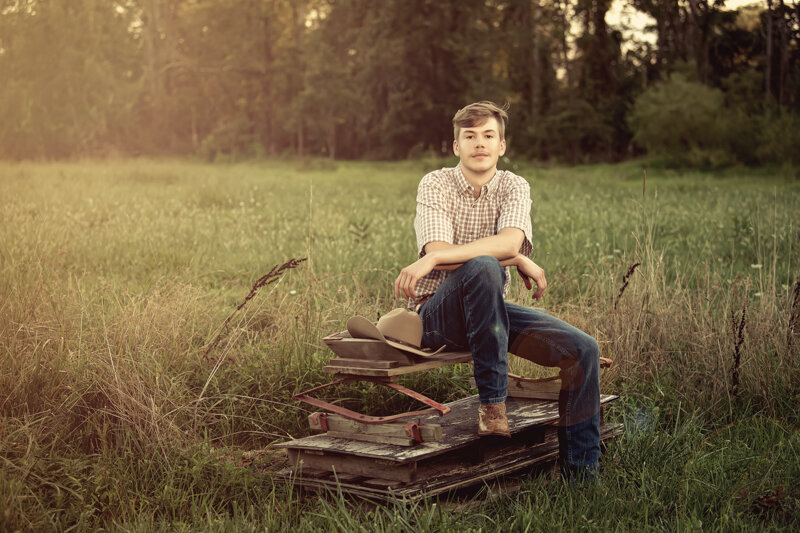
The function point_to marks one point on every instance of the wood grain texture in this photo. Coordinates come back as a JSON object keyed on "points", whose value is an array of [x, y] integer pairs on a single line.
{"points": [[421, 364], [452, 473], [340, 424]]}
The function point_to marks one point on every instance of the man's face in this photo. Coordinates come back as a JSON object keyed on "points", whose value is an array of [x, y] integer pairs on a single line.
{"points": [[479, 147]]}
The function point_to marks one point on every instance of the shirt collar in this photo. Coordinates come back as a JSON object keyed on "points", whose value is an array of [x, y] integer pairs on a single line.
{"points": [[465, 187]]}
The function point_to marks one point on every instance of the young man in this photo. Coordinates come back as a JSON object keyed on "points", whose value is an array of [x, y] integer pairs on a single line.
{"points": [[473, 222]]}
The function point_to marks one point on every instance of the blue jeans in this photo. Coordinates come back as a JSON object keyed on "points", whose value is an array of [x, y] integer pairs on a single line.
{"points": [[468, 312]]}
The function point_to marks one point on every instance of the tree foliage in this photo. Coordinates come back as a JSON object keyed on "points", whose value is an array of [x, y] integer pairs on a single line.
{"points": [[360, 79], [678, 116]]}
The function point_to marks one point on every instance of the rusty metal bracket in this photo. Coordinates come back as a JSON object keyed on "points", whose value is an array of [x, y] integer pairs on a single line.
{"points": [[412, 431], [321, 419], [436, 407]]}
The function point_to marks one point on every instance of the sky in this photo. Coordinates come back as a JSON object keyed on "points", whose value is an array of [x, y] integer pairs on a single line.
{"points": [[632, 23]]}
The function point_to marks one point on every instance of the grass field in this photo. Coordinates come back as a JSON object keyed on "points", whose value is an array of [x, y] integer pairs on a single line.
{"points": [[118, 412]]}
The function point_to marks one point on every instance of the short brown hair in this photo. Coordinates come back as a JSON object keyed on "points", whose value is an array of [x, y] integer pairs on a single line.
{"points": [[478, 113]]}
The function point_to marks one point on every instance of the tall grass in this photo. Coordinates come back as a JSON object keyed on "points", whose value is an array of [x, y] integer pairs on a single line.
{"points": [[116, 278]]}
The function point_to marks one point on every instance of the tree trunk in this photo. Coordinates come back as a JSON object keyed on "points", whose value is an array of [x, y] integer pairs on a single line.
{"points": [[151, 16], [784, 58], [298, 16], [662, 41], [266, 83], [699, 12], [300, 140], [535, 72], [564, 47], [690, 36], [768, 66]]}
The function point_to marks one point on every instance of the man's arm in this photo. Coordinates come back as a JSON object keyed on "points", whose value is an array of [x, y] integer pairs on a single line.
{"points": [[504, 246], [434, 230]]}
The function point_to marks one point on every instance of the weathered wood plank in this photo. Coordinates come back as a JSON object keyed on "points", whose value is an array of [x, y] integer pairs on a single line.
{"points": [[315, 473], [383, 484], [516, 385], [366, 437], [348, 464], [348, 478], [428, 432], [363, 363], [534, 390], [538, 391], [423, 363]]}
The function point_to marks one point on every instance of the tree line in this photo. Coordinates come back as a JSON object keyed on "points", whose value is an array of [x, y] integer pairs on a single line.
{"points": [[381, 79]]}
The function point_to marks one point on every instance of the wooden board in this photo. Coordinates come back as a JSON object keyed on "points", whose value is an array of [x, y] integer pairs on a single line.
{"points": [[350, 464], [363, 363], [452, 475], [538, 390], [370, 432], [367, 437], [352, 368], [459, 429]]}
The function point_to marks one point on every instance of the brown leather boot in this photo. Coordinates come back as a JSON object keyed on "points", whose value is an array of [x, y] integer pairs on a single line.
{"points": [[492, 420]]}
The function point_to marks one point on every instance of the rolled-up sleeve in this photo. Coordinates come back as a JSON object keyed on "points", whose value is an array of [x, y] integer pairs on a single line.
{"points": [[515, 212], [433, 222]]}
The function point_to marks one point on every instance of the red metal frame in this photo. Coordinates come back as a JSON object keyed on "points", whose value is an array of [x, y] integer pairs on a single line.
{"points": [[412, 430], [436, 407]]}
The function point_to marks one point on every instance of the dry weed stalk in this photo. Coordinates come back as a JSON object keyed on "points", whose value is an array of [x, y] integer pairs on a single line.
{"points": [[625, 280], [644, 181], [738, 339], [270, 277]]}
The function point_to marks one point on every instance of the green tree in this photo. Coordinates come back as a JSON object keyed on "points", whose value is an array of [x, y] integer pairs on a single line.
{"points": [[680, 119], [68, 77]]}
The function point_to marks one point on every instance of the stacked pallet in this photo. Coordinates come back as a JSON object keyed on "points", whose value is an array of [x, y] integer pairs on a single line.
{"points": [[458, 458]]}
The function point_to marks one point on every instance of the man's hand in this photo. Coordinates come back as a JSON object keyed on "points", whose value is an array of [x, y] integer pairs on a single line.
{"points": [[528, 268], [407, 280]]}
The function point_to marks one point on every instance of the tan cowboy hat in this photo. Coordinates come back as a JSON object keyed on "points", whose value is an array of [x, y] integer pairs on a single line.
{"points": [[399, 328]]}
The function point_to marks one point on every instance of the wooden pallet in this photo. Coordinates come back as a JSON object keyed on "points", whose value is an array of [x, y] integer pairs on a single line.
{"points": [[460, 459]]}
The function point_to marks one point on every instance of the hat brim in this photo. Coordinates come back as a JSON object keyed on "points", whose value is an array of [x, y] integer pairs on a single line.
{"points": [[361, 328]]}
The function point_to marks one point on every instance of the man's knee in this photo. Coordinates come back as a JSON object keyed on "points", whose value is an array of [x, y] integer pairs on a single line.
{"points": [[590, 347], [486, 270], [589, 353], [585, 364]]}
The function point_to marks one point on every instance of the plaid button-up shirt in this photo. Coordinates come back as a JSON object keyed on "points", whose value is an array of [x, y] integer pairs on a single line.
{"points": [[447, 211]]}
